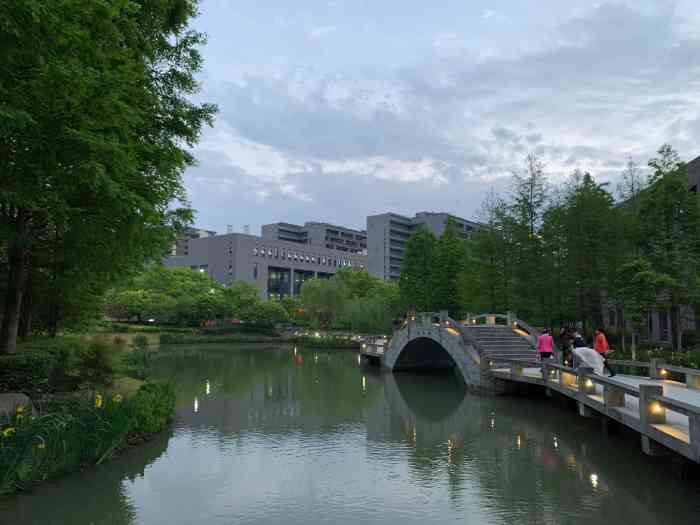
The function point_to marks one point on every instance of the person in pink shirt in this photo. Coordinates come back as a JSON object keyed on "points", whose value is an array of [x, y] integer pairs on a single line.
{"points": [[545, 345]]}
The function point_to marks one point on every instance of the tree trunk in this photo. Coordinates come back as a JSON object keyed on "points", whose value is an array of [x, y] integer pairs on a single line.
{"points": [[634, 344], [16, 284], [675, 328]]}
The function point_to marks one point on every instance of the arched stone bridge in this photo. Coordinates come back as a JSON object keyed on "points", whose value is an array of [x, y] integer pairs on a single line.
{"points": [[433, 340]]}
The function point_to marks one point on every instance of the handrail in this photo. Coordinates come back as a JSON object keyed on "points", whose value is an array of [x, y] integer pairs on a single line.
{"points": [[604, 380], [680, 369], [517, 361], [623, 362], [677, 406]]}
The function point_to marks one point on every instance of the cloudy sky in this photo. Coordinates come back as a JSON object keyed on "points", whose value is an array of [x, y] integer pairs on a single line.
{"points": [[334, 110]]}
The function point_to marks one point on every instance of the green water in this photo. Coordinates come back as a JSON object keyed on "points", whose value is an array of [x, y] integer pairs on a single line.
{"points": [[270, 436]]}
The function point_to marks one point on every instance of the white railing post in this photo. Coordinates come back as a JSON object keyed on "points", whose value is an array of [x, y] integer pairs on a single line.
{"points": [[655, 367], [651, 412], [613, 397]]}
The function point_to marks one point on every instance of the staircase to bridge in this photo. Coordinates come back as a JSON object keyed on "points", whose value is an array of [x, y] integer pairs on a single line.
{"points": [[497, 342]]}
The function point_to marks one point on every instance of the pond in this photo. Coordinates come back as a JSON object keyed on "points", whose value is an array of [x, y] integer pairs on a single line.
{"points": [[277, 435]]}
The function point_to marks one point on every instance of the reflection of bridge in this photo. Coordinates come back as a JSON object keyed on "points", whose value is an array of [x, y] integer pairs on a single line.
{"points": [[497, 353]]}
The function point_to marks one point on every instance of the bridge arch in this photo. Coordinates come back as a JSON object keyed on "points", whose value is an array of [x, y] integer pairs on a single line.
{"points": [[424, 353]]}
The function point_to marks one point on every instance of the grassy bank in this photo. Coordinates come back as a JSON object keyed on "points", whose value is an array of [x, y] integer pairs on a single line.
{"points": [[78, 432], [88, 401]]}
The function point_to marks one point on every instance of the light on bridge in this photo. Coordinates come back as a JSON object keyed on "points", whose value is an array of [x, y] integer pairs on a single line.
{"points": [[594, 481], [518, 441], [196, 405], [207, 387], [656, 408], [664, 372], [364, 384]]}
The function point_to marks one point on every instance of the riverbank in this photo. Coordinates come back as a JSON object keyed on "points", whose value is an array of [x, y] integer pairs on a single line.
{"points": [[303, 341], [73, 402]]}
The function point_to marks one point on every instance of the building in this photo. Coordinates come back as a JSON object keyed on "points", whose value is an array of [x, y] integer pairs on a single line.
{"points": [[319, 234], [277, 267], [387, 234], [182, 241]]}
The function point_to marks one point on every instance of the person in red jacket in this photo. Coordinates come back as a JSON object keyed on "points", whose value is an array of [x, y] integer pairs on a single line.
{"points": [[545, 345], [603, 348]]}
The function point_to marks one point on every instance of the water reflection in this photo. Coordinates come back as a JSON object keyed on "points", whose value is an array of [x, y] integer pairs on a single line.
{"points": [[285, 435]]}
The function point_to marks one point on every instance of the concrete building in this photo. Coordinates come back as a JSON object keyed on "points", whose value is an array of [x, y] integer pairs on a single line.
{"points": [[319, 234], [278, 268], [387, 234], [182, 242]]}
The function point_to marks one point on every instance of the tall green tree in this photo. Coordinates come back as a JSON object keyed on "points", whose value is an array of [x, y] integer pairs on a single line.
{"points": [[415, 284], [96, 117], [669, 238], [448, 263]]}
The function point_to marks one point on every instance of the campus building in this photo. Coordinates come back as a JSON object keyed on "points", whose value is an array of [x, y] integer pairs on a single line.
{"points": [[387, 234], [319, 234], [278, 268], [182, 241]]}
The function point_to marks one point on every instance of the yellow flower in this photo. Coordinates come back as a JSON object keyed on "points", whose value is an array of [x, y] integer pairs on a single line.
{"points": [[20, 409], [98, 401], [117, 398], [8, 431]]}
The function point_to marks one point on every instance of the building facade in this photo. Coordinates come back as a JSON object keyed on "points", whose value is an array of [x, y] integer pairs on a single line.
{"points": [[182, 241], [319, 234], [388, 233], [278, 268]]}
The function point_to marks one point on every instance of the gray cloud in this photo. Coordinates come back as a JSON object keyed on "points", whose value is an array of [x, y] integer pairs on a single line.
{"points": [[305, 143]]}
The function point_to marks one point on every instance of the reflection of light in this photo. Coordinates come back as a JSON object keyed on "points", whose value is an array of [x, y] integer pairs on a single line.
{"points": [[196, 405], [359, 359], [493, 423], [556, 442], [295, 350], [364, 384], [594, 480], [518, 441], [207, 387], [315, 358], [269, 391]]}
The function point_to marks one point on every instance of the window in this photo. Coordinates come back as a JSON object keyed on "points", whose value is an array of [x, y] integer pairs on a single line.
{"points": [[308, 259], [276, 253], [323, 260], [313, 259], [255, 251], [255, 270], [269, 252], [230, 250]]}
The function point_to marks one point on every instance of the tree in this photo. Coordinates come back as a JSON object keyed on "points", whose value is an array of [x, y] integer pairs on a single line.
{"points": [[416, 268], [358, 282], [324, 300], [639, 288], [669, 238], [95, 119], [448, 262]]}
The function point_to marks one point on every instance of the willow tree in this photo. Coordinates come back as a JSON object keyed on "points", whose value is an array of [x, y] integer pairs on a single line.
{"points": [[95, 122]]}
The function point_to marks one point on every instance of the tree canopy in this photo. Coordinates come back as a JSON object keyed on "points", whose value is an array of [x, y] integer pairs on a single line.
{"points": [[96, 119]]}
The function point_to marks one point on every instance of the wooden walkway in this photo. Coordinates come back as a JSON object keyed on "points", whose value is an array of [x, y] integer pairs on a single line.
{"points": [[665, 412]]}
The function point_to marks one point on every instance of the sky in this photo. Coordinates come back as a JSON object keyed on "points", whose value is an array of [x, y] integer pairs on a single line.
{"points": [[334, 110]]}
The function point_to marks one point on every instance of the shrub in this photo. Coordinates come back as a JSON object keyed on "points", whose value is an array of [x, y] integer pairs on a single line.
{"points": [[97, 362], [243, 328], [140, 342], [120, 328], [152, 407], [172, 339], [28, 372]]}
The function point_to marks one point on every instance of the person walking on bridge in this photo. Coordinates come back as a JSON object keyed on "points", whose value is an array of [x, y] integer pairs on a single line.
{"points": [[545, 345], [603, 348]]}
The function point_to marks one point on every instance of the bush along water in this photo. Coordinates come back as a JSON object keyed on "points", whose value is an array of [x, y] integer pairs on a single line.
{"points": [[82, 432]]}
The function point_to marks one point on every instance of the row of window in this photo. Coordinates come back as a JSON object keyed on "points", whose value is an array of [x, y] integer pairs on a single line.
{"points": [[290, 255]]}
